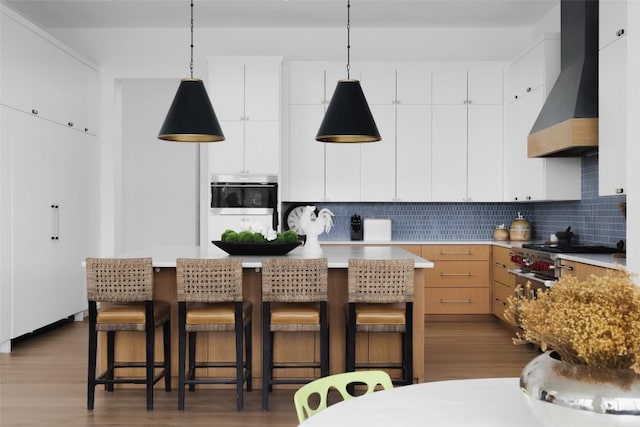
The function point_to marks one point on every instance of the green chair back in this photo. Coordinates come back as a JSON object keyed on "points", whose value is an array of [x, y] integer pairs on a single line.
{"points": [[339, 382]]}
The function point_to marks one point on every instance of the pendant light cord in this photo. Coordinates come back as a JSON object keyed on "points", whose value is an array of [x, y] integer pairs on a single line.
{"points": [[191, 63], [348, 38]]}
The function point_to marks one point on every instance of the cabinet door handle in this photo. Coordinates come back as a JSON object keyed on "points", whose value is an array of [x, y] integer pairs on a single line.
{"points": [[566, 267], [455, 274], [34, 111], [456, 253], [499, 265], [528, 89], [55, 222], [620, 32], [456, 301], [500, 301], [70, 124], [619, 190]]}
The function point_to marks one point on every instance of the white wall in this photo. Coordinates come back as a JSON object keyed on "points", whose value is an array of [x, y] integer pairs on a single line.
{"points": [[159, 178], [633, 136]]}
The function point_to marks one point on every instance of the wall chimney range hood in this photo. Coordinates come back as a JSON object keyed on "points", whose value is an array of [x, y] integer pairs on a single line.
{"points": [[567, 125]]}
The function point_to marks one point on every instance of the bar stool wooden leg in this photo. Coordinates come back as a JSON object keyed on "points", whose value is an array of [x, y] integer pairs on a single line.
{"points": [[191, 372], [150, 352], [266, 354], [324, 340], [408, 349], [182, 349], [93, 350]]}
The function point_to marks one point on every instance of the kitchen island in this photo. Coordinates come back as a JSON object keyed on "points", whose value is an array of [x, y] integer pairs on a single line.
{"points": [[382, 348]]}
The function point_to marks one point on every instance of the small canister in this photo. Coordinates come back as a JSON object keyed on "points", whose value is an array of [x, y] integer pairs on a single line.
{"points": [[501, 233], [520, 229]]}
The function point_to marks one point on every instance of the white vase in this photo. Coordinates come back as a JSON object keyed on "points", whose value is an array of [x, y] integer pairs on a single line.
{"points": [[312, 245], [566, 395]]}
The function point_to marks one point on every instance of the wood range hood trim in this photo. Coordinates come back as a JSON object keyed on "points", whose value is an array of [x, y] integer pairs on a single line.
{"points": [[570, 138]]}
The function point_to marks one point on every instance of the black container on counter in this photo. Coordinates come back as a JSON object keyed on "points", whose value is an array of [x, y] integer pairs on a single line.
{"points": [[356, 227]]}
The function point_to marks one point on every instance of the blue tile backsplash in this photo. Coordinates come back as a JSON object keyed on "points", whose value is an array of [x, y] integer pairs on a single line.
{"points": [[594, 219]]}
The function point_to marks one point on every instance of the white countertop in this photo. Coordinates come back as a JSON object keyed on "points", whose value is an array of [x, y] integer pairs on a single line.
{"points": [[599, 260], [337, 256]]}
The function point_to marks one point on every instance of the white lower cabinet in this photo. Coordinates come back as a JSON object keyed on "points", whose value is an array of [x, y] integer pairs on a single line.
{"points": [[50, 213]]}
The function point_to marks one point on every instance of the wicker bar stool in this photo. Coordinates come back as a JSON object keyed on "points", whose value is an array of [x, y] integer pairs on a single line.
{"points": [[210, 300], [294, 299], [125, 285], [378, 289]]}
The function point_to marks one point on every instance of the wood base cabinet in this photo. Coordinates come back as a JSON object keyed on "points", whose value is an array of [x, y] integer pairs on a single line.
{"points": [[502, 284], [580, 270], [459, 281]]}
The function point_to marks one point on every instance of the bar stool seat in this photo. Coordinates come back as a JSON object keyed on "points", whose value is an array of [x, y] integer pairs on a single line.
{"points": [[380, 318], [222, 314], [300, 314], [380, 299], [210, 299], [124, 289]]}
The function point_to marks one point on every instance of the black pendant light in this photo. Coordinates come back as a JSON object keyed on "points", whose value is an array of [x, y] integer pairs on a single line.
{"points": [[348, 117], [191, 117]]}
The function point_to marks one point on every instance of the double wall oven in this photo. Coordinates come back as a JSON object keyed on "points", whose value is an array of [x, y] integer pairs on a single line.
{"points": [[237, 200]]}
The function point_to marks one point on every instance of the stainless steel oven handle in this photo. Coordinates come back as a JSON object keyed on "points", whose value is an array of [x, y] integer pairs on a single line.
{"points": [[564, 267], [530, 277]]}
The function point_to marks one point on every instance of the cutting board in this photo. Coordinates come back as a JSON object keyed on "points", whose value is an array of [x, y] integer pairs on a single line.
{"points": [[377, 229]]}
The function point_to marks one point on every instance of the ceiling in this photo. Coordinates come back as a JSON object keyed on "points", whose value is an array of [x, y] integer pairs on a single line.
{"points": [[51, 14]]}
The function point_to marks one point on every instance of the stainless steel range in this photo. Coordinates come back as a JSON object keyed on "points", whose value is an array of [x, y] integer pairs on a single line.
{"points": [[540, 265]]}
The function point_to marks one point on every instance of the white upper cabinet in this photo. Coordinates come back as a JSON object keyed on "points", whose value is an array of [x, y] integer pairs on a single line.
{"points": [[612, 22], [396, 168], [245, 94], [40, 77], [531, 77], [612, 99], [317, 170], [467, 128]]}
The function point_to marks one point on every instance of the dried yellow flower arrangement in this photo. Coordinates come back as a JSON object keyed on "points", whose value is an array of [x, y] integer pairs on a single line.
{"points": [[595, 322]]}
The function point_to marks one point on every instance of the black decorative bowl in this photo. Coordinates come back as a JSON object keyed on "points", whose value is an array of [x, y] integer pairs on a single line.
{"points": [[233, 248]]}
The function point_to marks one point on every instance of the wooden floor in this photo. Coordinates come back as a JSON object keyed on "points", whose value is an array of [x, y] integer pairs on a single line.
{"points": [[43, 381]]}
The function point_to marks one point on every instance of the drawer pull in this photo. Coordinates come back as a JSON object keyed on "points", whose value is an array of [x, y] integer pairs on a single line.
{"points": [[499, 265], [456, 253], [455, 274], [456, 301], [500, 301]]}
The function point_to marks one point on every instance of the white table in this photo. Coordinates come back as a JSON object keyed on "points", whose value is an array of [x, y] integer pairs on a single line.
{"points": [[491, 402]]}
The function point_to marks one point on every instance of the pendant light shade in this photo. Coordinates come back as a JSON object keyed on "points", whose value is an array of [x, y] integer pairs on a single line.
{"points": [[191, 117], [348, 117]]}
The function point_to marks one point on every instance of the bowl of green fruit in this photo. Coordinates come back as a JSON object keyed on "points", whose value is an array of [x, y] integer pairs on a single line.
{"points": [[248, 242]]}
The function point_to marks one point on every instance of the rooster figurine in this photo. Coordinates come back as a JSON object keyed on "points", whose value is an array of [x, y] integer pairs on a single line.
{"points": [[312, 226]]}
